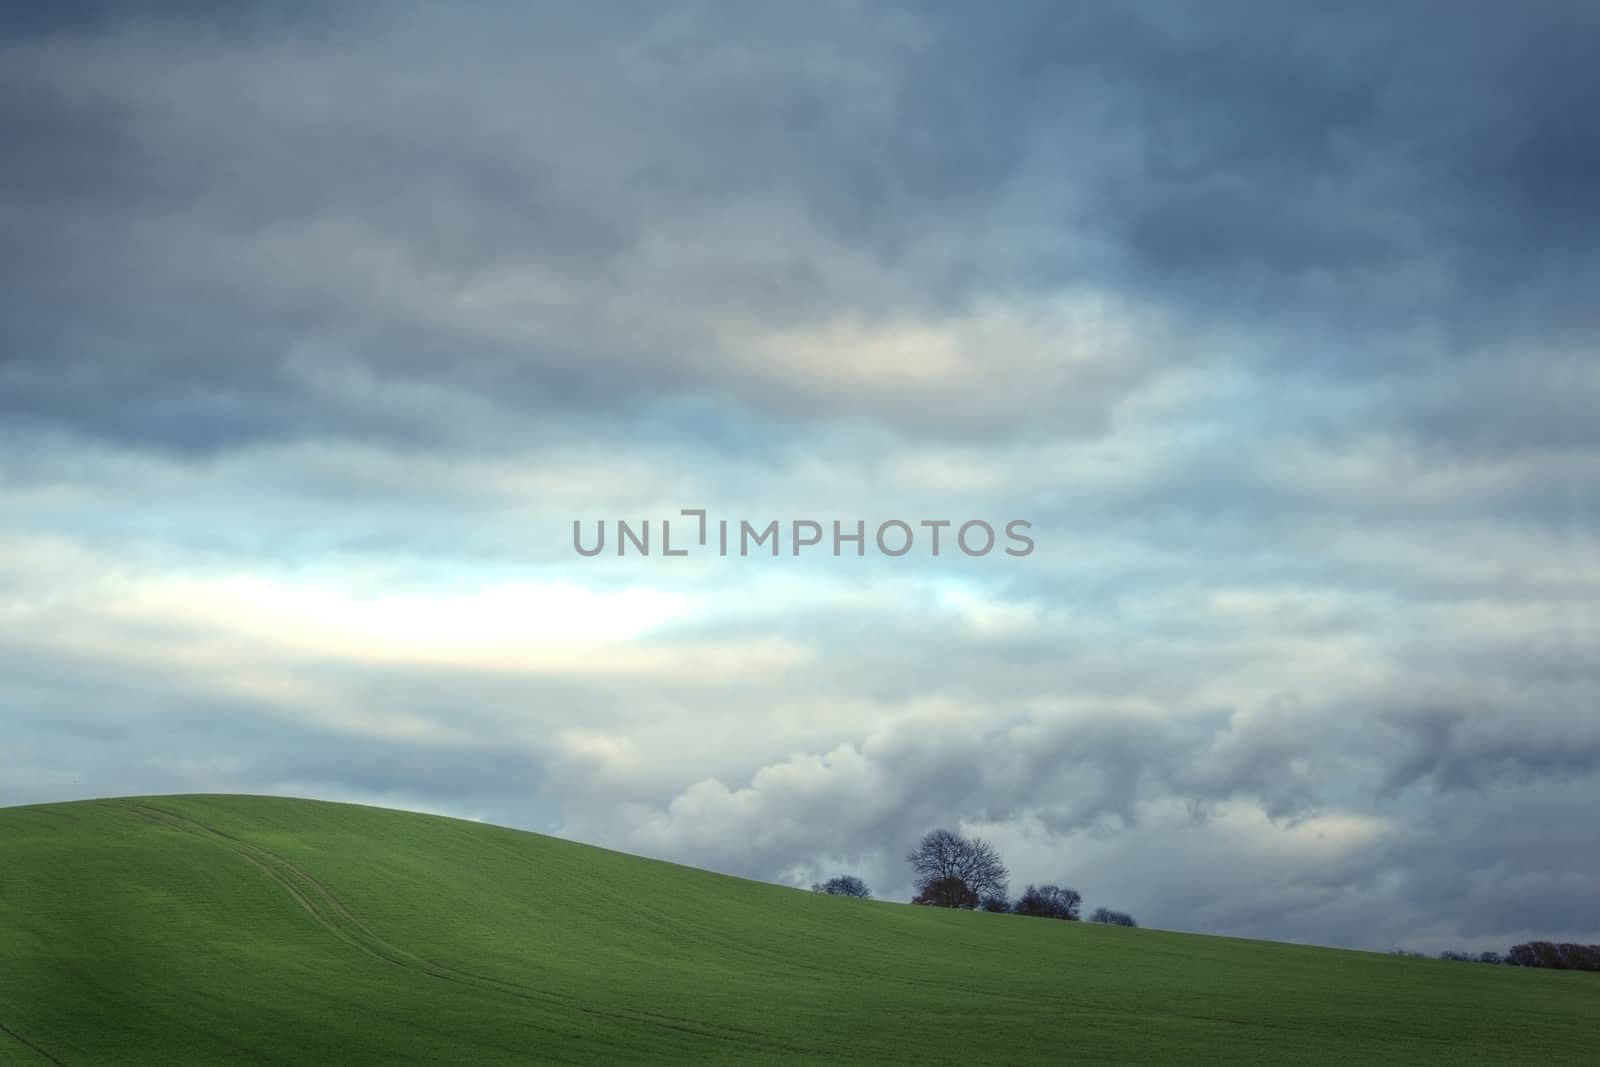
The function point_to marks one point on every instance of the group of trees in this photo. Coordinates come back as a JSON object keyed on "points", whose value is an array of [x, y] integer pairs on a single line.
{"points": [[1563, 956], [953, 871]]}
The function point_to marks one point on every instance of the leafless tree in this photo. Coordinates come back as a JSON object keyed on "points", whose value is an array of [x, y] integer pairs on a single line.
{"points": [[956, 872]]}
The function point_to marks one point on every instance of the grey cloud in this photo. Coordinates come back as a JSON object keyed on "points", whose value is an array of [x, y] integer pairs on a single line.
{"points": [[1463, 750]]}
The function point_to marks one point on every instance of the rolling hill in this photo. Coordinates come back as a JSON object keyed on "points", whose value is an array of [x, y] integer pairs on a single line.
{"points": [[220, 929]]}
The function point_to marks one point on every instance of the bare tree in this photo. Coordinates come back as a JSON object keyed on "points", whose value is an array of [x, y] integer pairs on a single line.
{"points": [[845, 885], [956, 872], [1049, 902]]}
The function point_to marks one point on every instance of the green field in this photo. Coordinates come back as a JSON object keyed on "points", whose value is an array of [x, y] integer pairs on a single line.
{"points": [[242, 929]]}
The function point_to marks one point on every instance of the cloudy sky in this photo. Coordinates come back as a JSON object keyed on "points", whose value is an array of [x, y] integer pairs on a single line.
{"points": [[319, 328]]}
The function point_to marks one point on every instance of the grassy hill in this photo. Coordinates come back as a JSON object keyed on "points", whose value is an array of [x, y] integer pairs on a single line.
{"points": [[255, 930]]}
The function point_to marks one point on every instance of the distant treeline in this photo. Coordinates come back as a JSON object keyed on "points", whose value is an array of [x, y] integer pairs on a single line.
{"points": [[1561, 957], [1558, 956]]}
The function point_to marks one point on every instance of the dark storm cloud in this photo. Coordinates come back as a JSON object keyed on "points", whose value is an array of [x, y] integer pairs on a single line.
{"points": [[198, 205], [1368, 167]]}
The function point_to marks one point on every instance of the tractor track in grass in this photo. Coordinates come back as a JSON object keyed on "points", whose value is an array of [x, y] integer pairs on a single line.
{"points": [[32, 1047], [664, 920], [328, 911]]}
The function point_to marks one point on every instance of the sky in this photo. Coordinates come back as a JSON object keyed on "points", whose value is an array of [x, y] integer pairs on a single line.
{"points": [[320, 326]]}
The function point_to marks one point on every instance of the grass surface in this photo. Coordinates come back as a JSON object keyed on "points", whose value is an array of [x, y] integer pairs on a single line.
{"points": [[244, 929]]}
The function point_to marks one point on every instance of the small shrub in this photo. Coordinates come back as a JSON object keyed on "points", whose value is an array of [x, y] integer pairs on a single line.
{"points": [[1049, 902], [845, 885], [1112, 918]]}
